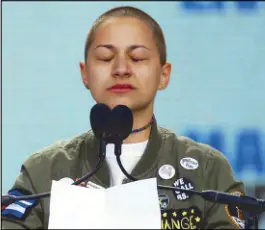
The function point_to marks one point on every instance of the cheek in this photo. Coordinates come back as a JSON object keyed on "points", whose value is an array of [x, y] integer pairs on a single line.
{"points": [[149, 76], [97, 77]]}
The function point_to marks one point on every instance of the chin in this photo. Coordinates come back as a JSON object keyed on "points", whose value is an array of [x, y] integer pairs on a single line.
{"points": [[112, 105], [130, 104]]}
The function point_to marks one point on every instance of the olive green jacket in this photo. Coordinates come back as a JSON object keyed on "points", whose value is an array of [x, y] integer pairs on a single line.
{"points": [[78, 156]]}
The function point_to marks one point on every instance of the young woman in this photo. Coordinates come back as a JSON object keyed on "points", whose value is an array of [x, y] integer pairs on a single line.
{"points": [[126, 64]]}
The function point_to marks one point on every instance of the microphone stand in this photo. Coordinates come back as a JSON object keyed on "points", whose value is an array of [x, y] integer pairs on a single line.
{"points": [[8, 199], [253, 207], [102, 156]]}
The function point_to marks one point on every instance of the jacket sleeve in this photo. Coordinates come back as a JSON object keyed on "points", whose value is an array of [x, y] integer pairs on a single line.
{"points": [[26, 214], [220, 177]]}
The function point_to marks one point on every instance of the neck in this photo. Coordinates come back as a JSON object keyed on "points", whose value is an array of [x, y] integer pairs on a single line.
{"points": [[140, 119]]}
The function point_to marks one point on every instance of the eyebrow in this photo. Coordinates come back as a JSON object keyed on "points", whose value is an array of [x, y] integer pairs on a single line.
{"points": [[132, 47]]}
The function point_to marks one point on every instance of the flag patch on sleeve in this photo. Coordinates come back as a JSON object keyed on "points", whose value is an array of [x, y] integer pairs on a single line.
{"points": [[19, 208]]}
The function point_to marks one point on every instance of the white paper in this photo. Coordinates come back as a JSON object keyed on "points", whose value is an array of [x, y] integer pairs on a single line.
{"points": [[134, 205]]}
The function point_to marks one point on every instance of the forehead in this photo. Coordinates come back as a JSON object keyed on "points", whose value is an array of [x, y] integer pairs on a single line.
{"points": [[124, 30]]}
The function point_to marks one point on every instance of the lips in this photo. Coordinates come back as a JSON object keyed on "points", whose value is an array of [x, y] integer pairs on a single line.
{"points": [[121, 88]]}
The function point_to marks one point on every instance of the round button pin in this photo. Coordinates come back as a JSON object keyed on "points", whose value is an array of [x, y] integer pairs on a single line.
{"points": [[166, 172], [189, 163]]}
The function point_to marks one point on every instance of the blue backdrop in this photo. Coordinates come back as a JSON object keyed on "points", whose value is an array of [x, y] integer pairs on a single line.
{"points": [[216, 94]]}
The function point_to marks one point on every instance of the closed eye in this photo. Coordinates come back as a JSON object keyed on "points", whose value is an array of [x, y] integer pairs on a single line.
{"points": [[106, 59], [137, 59]]}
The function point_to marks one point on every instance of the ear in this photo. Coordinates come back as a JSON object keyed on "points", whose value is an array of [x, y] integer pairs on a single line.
{"points": [[84, 74], [165, 76]]}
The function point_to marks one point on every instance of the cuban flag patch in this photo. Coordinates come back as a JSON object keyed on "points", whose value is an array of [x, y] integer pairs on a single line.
{"points": [[19, 208]]}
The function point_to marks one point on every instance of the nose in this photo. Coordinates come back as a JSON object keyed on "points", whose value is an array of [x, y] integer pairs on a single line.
{"points": [[121, 68]]}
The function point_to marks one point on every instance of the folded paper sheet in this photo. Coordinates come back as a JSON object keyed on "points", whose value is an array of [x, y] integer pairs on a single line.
{"points": [[134, 205]]}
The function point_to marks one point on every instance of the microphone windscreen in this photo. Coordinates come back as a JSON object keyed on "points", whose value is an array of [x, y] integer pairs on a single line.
{"points": [[121, 121], [99, 117]]}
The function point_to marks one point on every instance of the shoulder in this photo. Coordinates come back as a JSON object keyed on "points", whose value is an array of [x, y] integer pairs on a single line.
{"points": [[62, 150], [186, 147]]}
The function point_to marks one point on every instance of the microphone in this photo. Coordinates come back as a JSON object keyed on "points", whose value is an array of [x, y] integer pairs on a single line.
{"points": [[99, 121], [248, 203], [99, 117], [244, 202], [120, 126], [121, 122]]}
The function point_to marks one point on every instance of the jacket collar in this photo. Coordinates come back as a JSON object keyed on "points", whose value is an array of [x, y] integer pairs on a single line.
{"points": [[142, 168]]}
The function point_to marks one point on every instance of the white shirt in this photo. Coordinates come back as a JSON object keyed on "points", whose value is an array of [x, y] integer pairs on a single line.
{"points": [[130, 155]]}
